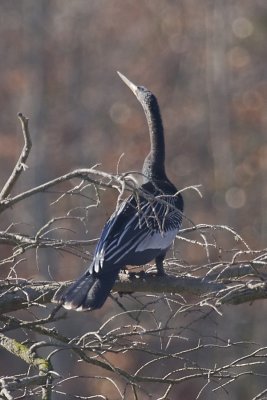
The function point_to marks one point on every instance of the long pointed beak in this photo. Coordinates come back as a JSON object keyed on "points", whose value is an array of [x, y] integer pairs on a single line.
{"points": [[130, 84]]}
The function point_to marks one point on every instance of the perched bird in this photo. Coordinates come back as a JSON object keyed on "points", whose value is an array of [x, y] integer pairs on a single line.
{"points": [[141, 229]]}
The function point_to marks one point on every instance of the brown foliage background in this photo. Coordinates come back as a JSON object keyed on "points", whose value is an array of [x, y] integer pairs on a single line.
{"points": [[205, 61]]}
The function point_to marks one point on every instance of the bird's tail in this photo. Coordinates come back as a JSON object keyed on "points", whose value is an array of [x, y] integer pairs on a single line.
{"points": [[89, 292]]}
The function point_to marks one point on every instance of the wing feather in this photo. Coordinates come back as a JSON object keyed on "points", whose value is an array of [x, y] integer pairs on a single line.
{"points": [[137, 227]]}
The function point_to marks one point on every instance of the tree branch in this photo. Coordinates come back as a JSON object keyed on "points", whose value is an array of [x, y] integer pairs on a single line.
{"points": [[249, 292], [29, 356], [20, 294], [78, 173], [21, 163]]}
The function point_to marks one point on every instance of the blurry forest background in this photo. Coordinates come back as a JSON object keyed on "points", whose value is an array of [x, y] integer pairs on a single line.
{"points": [[206, 61]]}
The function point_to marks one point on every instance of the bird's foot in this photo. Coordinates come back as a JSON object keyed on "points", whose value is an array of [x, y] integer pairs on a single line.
{"points": [[137, 275], [160, 269], [156, 271], [121, 294], [161, 272]]}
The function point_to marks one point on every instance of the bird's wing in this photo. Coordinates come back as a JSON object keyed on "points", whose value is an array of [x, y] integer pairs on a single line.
{"points": [[135, 227]]}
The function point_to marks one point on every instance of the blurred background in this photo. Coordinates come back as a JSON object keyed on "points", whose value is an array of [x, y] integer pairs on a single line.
{"points": [[206, 63]]}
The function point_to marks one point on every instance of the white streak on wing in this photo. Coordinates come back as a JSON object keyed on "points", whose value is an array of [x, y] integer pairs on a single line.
{"points": [[81, 308], [126, 248], [157, 240], [98, 260], [132, 248], [115, 245], [152, 226], [68, 306]]}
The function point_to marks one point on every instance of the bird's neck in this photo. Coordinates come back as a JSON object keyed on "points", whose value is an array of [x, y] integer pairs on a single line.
{"points": [[154, 164]]}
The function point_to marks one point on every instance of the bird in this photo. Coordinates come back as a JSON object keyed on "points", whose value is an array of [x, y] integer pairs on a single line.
{"points": [[142, 228]]}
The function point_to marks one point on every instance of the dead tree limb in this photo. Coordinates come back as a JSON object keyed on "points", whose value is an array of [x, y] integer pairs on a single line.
{"points": [[21, 163], [20, 294], [28, 355]]}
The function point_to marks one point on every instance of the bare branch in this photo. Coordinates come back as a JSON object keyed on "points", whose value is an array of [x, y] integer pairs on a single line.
{"points": [[21, 163], [20, 294], [245, 293], [16, 296], [79, 173], [26, 354]]}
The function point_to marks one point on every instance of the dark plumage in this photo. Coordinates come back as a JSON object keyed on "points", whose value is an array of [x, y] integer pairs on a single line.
{"points": [[141, 229]]}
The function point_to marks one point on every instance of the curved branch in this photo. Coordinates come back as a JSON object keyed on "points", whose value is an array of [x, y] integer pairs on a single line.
{"points": [[21, 163], [78, 173]]}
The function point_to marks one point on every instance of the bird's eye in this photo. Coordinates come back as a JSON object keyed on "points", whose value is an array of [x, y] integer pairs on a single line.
{"points": [[142, 88]]}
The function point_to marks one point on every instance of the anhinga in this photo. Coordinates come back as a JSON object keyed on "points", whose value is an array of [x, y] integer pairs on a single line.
{"points": [[142, 229]]}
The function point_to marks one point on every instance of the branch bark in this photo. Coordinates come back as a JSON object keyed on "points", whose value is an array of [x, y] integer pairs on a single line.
{"points": [[30, 357], [20, 294], [21, 163], [82, 173]]}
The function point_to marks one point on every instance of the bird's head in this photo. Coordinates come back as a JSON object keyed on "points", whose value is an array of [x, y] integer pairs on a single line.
{"points": [[141, 92]]}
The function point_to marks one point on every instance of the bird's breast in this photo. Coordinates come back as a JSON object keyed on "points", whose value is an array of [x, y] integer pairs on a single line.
{"points": [[157, 240]]}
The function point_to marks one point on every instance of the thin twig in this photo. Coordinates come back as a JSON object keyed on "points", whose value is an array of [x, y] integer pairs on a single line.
{"points": [[21, 163]]}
